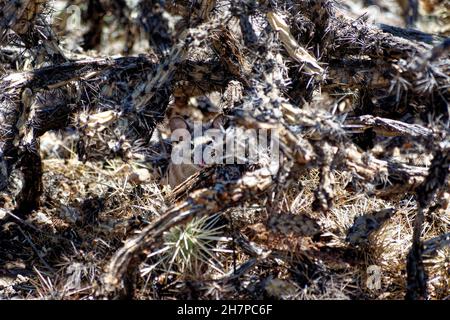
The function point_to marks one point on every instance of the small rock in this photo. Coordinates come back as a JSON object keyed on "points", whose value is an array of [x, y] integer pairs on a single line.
{"points": [[42, 218], [139, 176], [3, 213], [69, 214]]}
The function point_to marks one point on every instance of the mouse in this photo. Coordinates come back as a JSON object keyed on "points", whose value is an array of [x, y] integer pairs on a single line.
{"points": [[182, 132]]}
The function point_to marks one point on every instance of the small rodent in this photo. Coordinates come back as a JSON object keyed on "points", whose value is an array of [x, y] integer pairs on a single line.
{"points": [[178, 173]]}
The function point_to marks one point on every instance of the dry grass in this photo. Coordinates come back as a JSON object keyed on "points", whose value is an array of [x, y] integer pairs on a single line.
{"points": [[90, 208]]}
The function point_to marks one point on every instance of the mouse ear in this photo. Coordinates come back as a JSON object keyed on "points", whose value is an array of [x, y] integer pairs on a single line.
{"points": [[177, 123], [218, 121]]}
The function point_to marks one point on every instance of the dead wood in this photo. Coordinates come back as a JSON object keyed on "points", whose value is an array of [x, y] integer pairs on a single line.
{"points": [[333, 91]]}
